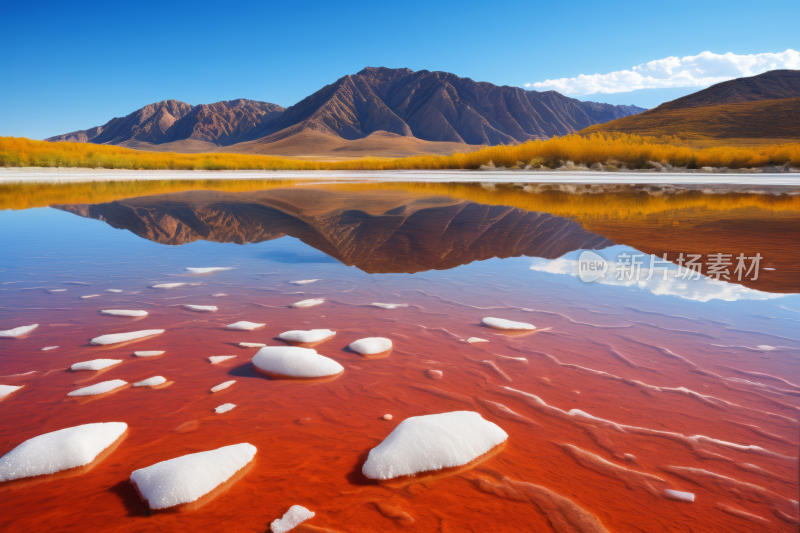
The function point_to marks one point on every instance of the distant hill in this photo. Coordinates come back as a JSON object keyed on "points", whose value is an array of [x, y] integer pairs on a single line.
{"points": [[766, 106], [437, 107]]}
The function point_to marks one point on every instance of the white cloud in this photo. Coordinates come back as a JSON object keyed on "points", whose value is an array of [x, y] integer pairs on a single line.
{"points": [[701, 70]]}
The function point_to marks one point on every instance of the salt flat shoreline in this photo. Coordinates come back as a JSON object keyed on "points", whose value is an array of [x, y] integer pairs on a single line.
{"points": [[71, 175]]}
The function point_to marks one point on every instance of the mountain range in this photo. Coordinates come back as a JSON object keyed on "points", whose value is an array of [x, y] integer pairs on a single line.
{"points": [[396, 106]]}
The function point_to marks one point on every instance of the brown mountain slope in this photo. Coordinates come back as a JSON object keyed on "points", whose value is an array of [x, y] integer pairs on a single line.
{"points": [[431, 106], [772, 119], [772, 85]]}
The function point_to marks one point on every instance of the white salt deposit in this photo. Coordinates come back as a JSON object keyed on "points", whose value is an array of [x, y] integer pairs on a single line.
{"points": [[5, 390], [96, 364], [18, 332], [48, 348], [308, 303], [113, 290], [224, 408], [223, 386], [432, 442], [151, 382], [388, 306], [252, 344], [59, 450], [207, 270], [678, 495], [295, 362], [89, 296], [472, 340], [387, 417], [296, 515], [115, 338], [501, 323], [168, 285], [151, 353], [245, 325], [303, 281], [187, 478], [201, 308], [214, 359], [371, 345], [313, 335], [99, 388], [123, 312]]}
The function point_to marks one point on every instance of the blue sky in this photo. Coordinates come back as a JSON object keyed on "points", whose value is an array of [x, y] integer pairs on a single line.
{"points": [[70, 66]]}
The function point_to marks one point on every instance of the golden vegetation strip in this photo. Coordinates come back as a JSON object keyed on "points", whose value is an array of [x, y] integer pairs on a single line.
{"points": [[579, 202], [616, 148]]}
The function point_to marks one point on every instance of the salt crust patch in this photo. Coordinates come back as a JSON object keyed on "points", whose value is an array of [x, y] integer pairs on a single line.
{"points": [[296, 515], [18, 332], [295, 362], [123, 312], [252, 344], [95, 364], [99, 388], [502, 323], [313, 335], [214, 359], [308, 303], [678, 495], [201, 308], [115, 338], [371, 345], [48, 348], [303, 281], [432, 442], [151, 353], [113, 290], [223, 386], [245, 325], [224, 408], [59, 450], [388, 306], [206, 270], [472, 340], [189, 477], [151, 382], [5, 390]]}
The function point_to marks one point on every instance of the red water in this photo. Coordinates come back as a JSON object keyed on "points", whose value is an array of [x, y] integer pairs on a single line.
{"points": [[556, 472]]}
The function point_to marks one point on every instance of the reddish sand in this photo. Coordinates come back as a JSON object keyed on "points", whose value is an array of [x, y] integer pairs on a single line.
{"points": [[556, 473]]}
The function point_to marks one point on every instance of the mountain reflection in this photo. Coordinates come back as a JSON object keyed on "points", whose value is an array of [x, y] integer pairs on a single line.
{"points": [[378, 232]]}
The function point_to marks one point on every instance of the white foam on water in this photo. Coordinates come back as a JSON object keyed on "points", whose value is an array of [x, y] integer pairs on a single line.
{"points": [[502, 323], [308, 303], [187, 478], [252, 344], [303, 281], [201, 308], [473, 340], [59, 450], [150, 353], [99, 388], [48, 348], [5, 390], [151, 382], [89, 296], [245, 325], [295, 362], [678, 495], [223, 386], [371, 345], [113, 290], [214, 359], [115, 338], [296, 515], [95, 364], [432, 442], [388, 306], [313, 335], [123, 312], [18, 332], [168, 285], [387, 416], [207, 270], [224, 408]]}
